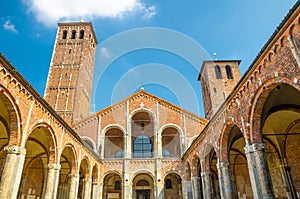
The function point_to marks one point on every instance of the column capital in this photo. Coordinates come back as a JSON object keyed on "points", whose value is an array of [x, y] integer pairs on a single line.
{"points": [[222, 164], [13, 149], [205, 173], [73, 175], [54, 166], [254, 147]]}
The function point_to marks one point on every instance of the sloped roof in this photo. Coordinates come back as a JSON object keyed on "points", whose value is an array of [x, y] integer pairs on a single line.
{"points": [[144, 93]]}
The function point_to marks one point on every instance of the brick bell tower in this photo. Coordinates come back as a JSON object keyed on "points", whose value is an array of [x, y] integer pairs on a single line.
{"points": [[69, 83], [218, 78]]}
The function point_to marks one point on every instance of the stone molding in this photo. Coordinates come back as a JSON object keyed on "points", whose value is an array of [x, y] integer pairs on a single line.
{"points": [[13, 149], [54, 166]]}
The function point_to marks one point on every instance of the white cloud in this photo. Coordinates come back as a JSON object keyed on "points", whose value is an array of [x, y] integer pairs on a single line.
{"points": [[9, 26], [49, 12], [149, 12], [105, 52]]}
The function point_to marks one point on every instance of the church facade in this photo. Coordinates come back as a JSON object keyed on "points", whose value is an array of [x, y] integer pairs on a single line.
{"points": [[144, 147]]}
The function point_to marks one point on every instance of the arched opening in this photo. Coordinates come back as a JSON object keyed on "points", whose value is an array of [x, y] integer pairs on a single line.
{"points": [[279, 116], [189, 191], [67, 169], [112, 187], [64, 34], [142, 132], [196, 178], [211, 178], [81, 35], [239, 173], [170, 140], [83, 189], [173, 186], [218, 72], [228, 72], [114, 143], [95, 182], [143, 187], [37, 158], [8, 125], [73, 36]]}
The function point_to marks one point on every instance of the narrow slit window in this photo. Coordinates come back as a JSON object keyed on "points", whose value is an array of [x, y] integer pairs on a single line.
{"points": [[229, 72], [218, 72], [81, 34], [64, 34], [73, 34]]}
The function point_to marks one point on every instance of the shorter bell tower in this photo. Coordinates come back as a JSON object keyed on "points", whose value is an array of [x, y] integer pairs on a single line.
{"points": [[218, 78]]}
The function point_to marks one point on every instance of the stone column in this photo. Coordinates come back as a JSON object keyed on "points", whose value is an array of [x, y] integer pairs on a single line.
{"points": [[52, 181], [196, 187], [87, 188], [258, 171], [284, 168], [73, 184], [207, 184], [225, 180], [187, 189], [12, 171], [160, 190], [95, 191]]}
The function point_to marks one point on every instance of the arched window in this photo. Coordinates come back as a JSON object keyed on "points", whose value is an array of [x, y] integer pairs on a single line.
{"points": [[64, 34], [114, 143], [73, 34], [117, 185], [170, 140], [81, 34], [229, 72], [168, 184], [142, 147], [218, 72]]}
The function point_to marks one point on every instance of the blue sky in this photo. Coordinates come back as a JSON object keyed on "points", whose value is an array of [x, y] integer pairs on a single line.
{"points": [[165, 66]]}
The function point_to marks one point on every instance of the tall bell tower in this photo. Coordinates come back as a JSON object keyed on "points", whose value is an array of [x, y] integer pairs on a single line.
{"points": [[69, 83], [218, 78]]}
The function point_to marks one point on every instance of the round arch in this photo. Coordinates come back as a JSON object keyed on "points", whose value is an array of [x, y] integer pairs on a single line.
{"points": [[171, 140], [142, 132], [258, 102], [172, 185], [143, 185], [113, 144], [276, 108], [112, 185], [12, 117]]}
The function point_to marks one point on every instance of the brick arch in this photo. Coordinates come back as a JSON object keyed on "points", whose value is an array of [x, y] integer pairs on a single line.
{"points": [[14, 123], [173, 172], [74, 166], [223, 140], [89, 141], [205, 153], [112, 126], [170, 125], [141, 172], [188, 171], [256, 111], [196, 164], [85, 160], [95, 174], [142, 110], [104, 144], [51, 136], [109, 172]]}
